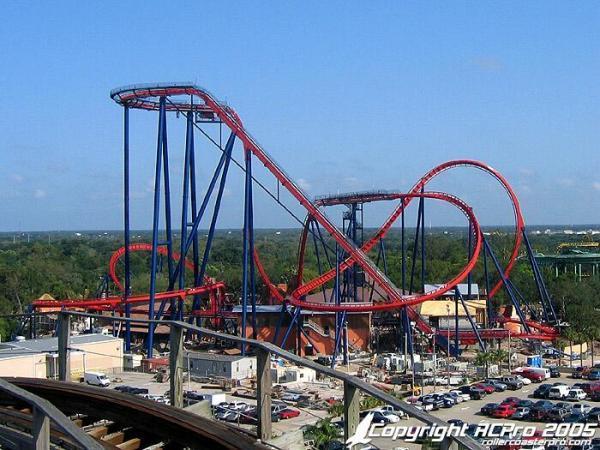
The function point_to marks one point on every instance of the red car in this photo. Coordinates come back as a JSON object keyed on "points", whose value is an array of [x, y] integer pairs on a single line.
{"points": [[504, 411], [485, 387], [533, 376], [288, 413], [512, 401]]}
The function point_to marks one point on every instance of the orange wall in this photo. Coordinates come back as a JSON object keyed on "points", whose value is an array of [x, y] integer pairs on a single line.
{"points": [[358, 332]]}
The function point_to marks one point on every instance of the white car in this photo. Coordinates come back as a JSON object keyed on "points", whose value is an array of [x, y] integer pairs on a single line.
{"points": [[465, 397], [576, 395], [581, 408], [393, 418], [523, 380], [389, 409], [533, 446], [423, 407]]}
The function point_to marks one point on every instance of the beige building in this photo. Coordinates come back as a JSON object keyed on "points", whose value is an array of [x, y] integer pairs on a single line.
{"points": [[38, 358]]}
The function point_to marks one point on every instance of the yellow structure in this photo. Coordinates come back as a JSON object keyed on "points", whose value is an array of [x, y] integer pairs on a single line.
{"points": [[37, 358]]}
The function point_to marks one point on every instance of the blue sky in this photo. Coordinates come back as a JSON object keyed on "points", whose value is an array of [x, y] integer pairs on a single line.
{"points": [[345, 95]]}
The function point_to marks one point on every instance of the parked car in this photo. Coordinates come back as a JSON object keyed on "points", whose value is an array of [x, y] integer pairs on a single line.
{"points": [[557, 415], [457, 398], [540, 409], [512, 383], [497, 385], [525, 403], [522, 412], [447, 402], [582, 409], [522, 379], [474, 392], [535, 377], [542, 391], [563, 405], [457, 422], [594, 414], [289, 413], [392, 410], [487, 388], [381, 417], [504, 411], [594, 375], [554, 372], [489, 408], [576, 395], [435, 402], [558, 392], [513, 401], [580, 372], [465, 395]]}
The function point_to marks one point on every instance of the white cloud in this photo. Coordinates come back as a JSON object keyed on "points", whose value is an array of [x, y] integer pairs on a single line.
{"points": [[17, 178], [39, 193], [596, 185], [566, 182], [488, 63], [304, 184], [526, 172]]}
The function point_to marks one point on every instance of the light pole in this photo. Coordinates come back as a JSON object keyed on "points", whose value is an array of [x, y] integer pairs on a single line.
{"points": [[412, 356], [448, 342], [509, 350], [434, 364]]}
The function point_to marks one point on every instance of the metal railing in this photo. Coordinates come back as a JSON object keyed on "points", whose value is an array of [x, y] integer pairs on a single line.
{"points": [[263, 351], [43, 413]]}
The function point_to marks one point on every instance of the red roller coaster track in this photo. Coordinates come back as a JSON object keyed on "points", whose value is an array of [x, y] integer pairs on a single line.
{"points": [[145, 97]]}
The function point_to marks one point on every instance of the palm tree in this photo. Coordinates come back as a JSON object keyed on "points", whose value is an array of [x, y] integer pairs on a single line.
{"points": [[483, 359], [593, 333], [570, 335], [322, 433], [560, 344]]}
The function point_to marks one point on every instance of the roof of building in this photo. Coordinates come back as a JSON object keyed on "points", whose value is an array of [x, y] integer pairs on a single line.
{"points": [[50, 345], [216, 357], [463, 288], [439, 308]]}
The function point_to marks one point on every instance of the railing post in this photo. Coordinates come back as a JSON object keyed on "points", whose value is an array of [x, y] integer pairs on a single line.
{"points": [[263, 395], [351, 409], [449, 444], [176, 365], [64, 332], [40, 430]]}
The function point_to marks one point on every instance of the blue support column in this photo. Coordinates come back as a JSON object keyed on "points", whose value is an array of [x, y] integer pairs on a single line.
{"points": [[456, 327], [290, 327], [189, 144], [247, 243], [282, 314], [458, 294], [193, 234], [489, 308], [251, 257], [126, 226], [507, 287], [545, 298], [469, 253], [217, 207], [415, 247], [155, 225], [168, 228], [423, 241]]}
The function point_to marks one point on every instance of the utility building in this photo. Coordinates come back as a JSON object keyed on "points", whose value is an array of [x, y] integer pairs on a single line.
{"points": [[237, 367]]}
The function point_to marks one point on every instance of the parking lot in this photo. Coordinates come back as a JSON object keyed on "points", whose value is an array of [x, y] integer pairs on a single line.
{"points": [[469, 411], [142, 380]]}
